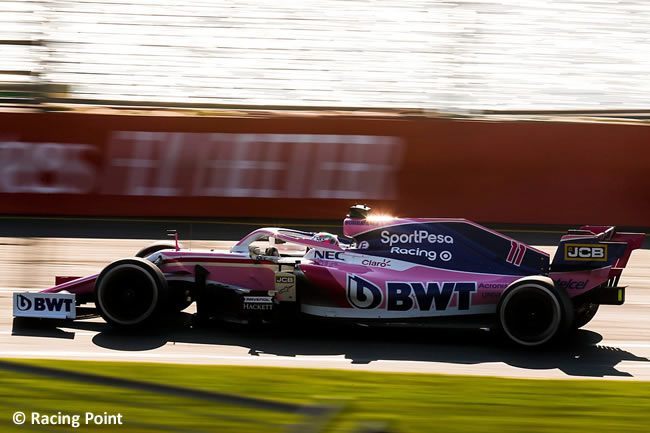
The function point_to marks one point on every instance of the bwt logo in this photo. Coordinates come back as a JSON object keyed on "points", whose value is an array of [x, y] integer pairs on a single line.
{"points": [[585, 252], [429, 296], [362, 293], [406, 296], [24, 303], [44, 304]]}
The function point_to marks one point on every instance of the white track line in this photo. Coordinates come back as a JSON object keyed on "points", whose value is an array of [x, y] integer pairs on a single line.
{"points": [[616, 344], [57, 354], [622, 344], [89, 334]]}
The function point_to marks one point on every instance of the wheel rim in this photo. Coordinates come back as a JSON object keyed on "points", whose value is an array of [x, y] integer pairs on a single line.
{"points": [[530, 315], [127, 294]]}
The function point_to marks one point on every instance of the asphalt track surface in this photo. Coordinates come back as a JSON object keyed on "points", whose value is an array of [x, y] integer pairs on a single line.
{"points": [[615, 345]]}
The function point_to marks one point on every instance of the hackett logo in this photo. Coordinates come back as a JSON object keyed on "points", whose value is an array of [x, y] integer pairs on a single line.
{"points": [[585, 252]]}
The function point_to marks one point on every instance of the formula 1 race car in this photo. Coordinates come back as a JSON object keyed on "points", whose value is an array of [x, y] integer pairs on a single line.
{"points": [[389, 271]]}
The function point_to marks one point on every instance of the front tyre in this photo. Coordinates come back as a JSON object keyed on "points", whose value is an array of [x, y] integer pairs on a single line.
{"points": [[130, 292], [533, 313]]}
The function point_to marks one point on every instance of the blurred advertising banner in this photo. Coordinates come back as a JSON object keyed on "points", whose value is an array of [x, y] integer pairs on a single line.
{"points": [[76, 164], [251, 165], [177, 164], [315, 166]]}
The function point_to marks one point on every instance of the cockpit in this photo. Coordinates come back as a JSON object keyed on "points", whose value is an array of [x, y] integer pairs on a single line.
{"points": [[284, 245]]}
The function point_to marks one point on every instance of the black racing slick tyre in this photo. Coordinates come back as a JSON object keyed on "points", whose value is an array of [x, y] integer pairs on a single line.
{"points": [[583, 313], [180, 295], [130, 293], [533, 313], [154, 248]]}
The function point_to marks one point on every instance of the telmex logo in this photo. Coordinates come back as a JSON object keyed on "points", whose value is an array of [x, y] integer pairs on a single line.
{"points": [[571, 284], [417, 237], [585, 252]]}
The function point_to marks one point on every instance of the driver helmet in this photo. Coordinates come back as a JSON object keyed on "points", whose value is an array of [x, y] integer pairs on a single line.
{"points": [[326, 237]]}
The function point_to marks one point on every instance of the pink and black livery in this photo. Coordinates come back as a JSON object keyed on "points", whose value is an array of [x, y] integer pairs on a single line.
{"points": [[386, 271]]}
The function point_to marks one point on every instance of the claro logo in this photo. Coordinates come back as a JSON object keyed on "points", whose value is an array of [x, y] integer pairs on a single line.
{"points": [[585, 252], [417, 237]]}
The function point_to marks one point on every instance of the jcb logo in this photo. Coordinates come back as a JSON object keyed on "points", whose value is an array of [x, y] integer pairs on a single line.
{"points": [[285, 286], [585, 252], [285, 279]]}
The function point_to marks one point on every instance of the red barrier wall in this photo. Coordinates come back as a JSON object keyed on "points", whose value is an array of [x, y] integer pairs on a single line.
{"points": [[315, 167]]}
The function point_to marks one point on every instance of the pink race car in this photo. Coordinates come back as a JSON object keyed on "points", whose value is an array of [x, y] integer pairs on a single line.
{"points": [[389, 271]]}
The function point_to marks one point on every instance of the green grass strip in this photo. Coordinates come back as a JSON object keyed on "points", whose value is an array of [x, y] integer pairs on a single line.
{"points": [[404, 402]]}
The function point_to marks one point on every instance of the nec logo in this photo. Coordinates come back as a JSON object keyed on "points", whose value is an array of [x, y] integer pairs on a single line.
{"points": [[328, 255], [585, 252]]}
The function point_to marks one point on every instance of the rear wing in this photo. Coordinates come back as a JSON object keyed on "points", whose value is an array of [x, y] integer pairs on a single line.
{"points": [[594, 247]]}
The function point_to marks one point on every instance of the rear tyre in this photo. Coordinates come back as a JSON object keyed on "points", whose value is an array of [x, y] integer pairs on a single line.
{"points": [[534, 313], [583, 313], [130, 292]]}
